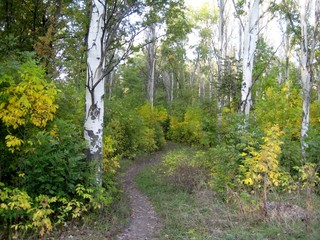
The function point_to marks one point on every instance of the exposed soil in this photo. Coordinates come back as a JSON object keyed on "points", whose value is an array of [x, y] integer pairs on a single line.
{"points": [[144, 223]]}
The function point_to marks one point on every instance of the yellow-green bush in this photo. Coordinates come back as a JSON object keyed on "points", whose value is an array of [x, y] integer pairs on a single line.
{"points": [[21, 214], [189, 130], [130, 131]]}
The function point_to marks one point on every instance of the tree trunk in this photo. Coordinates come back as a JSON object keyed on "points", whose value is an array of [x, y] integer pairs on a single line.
{"points": [[151, 60], [249, 47], [171, 87], [167, 86], [210, 79], [287, 49], [306, 58], [318, 86], [93, 126], [221, 53], [110, 85]]}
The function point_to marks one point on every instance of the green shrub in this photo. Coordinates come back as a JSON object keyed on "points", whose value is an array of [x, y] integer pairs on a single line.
{"points": [[313, 143], [190, 129], [223, 161], [54, 162], [135, 130], [20, 214]]}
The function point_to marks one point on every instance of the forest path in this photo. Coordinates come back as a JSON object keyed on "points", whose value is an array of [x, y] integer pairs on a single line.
{"points": [[144, 222]]}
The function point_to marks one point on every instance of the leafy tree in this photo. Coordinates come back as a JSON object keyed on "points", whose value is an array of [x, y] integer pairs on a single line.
{"points": [[261, 168]]}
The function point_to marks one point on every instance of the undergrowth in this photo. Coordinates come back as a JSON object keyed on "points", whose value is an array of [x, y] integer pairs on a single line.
{"points": [[200, 213]]}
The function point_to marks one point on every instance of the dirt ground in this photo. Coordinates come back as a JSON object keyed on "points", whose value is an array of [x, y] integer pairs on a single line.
{"points": [[144, 222]]}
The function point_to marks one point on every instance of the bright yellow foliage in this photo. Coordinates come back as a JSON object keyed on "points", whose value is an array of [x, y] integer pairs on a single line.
{"points": [[30, 101], [24, 213], [280, 107], [309, 175], [110, 162], [263, 165], [150, 114], [13, 143]]}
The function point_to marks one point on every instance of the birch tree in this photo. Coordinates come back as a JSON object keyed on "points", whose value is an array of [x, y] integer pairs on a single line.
{"points": [[107, 46], [309, 17], [93, 126], [151, 61], [221, 52], [249, 46], [110, 40]]}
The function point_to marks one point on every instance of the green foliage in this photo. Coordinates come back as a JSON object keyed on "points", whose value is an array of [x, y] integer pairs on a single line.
{"points": [[54, 162], [70, 100], [22, 214], [190, 129], [282, 106], [26, 101], [313, 143], [309, 176], [223, 161], [263, 165], [130, 131]]}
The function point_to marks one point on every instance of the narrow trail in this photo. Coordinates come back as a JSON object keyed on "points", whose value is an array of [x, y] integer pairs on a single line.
{"points": [[144, 222]]}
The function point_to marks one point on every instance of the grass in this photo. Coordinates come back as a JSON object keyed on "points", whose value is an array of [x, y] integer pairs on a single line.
{"points": [[200, 214]]}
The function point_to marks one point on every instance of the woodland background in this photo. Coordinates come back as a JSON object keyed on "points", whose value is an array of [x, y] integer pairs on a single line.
{"points": [[238, 82]]}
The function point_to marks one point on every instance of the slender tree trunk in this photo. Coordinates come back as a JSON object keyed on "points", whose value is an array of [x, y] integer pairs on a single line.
{"points": [[287, 49], [249, 47], [240, 50], [171, 86], [318, 87], [110, 85], [306, 58], [151, 60], [210, 79], [95, 90], [221, 53], [167, 86]]}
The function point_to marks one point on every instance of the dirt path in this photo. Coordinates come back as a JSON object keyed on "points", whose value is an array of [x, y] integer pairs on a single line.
{"points": [[144, 222]]}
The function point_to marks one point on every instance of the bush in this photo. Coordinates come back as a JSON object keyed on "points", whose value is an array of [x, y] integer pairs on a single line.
{"points": [[21, 214], [135, 130], [223, 161], [190, 129], [54, 162]]}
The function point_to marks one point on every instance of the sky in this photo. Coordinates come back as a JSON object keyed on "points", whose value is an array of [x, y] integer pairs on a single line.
{"points": [[195, 3]]}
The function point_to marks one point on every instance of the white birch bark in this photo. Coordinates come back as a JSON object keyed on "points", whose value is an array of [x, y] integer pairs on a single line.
{"points": [[221, 56], [249, 47], [308, 44], [151, 60], [287, 52], [93, 126]]}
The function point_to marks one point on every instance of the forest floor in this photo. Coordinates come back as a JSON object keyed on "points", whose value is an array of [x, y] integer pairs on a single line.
{"points": [[144, 222], [135, 216], [153, 206]]}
